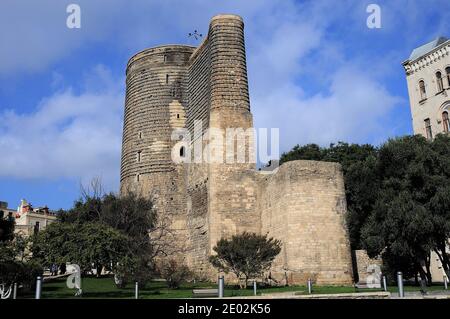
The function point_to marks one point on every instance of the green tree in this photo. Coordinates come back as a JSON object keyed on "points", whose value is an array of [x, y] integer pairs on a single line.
{"points": [[16, 265], [174, 272], [89, 245], [311, 152], [6, 227], [247, 255], [439, 203], [410, 216], [147, 233]]}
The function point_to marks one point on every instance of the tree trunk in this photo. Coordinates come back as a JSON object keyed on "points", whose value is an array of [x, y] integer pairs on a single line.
{"points": [[427, 267], [423, 279], [443, 257], [240, 281], [98, 270]]}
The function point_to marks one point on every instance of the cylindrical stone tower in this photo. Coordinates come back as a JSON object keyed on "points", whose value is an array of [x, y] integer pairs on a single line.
{"points": [[231, 184], [155, 105], [229, 84]]}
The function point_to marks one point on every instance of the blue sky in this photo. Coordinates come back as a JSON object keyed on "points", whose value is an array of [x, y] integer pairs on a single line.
{"points": [[315, 71]]}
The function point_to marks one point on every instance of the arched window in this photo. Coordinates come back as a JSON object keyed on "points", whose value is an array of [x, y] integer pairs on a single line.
{"points": [[428, 130], [423, 92], [447, 70], [440, 84], [445, 121]]}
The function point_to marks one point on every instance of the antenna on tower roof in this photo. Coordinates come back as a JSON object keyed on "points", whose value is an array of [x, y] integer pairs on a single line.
{"points": [[195, 35]]}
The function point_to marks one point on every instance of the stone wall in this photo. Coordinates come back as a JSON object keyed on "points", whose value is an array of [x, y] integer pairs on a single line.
{"points": [[365, 265], [303, 204]]}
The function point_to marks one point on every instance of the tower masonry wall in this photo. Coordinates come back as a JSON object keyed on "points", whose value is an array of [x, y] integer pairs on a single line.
{"points": [[303, 204]]}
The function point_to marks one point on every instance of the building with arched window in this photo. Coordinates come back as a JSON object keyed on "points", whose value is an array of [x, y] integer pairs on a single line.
{"points": [[428, 76]]}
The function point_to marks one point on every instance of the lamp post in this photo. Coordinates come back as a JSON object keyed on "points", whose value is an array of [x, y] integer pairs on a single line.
{"points": [[309, 286], [401, 293], [221, 286], [445, 282], [15, 291], [384, 283], [38, 287], [136, 290]]}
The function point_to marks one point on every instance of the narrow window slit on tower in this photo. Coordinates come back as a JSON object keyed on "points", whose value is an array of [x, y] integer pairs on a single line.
{"points": [[182, 151], [138, 176], [167, 78], [139, 156]]}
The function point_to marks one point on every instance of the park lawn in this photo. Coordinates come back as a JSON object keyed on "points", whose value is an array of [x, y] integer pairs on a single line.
{"points": [[104, 288]]}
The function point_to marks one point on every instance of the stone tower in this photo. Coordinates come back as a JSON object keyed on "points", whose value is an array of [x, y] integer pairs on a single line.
{"points": [[217, 194], [155, 105]]}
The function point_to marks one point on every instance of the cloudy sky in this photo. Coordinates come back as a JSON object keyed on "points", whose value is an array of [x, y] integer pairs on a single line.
{"points": [[315, 70]]}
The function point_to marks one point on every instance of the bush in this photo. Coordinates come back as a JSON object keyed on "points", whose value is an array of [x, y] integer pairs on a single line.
{"points": [[132, 269], [246, 255], [174, 273], [24, 273]]}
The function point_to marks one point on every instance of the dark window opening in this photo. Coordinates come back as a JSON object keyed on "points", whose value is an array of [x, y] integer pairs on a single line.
{"points": [[423, 92], [182, 151], [428, 129], [445, 121], [440, 83], [139, 156], [447, 70], [167, 78], [36, 228], [178, 116]]}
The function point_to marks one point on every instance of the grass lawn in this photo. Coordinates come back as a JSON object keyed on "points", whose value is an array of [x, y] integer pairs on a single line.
{"points": [[105, 288]]}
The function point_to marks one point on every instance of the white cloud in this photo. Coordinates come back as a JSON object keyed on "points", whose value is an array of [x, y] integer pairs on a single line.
{"points": [[76, 136], [354, 109]]}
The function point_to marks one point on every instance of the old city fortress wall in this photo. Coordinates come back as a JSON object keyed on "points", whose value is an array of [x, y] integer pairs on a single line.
{"points": [[302, 204]]}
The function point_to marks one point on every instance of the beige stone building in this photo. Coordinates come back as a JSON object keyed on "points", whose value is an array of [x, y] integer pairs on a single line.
{"points": [[5, 212], [428, 77], [302, 203], [29, 220]]}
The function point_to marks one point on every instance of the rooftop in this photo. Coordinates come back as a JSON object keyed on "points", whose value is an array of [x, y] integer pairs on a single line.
{"points": [[427, 48]]}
